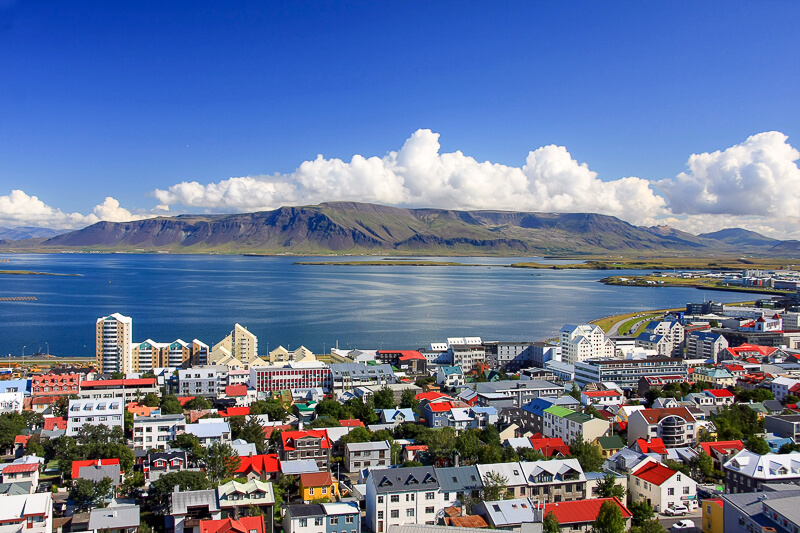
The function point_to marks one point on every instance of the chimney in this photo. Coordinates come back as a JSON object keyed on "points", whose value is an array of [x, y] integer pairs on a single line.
{"points": [[99, 463]]}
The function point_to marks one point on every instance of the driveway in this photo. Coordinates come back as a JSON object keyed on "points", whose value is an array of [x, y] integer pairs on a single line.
{"points": [[695, 516]]}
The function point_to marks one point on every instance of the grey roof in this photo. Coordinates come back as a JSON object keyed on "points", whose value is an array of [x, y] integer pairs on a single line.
{"points": [[506, 512], [15, 489], [339, 370], [773, 405], [313, 509], [368, 446], [512, 384], [752, 503], [459, 478], [97, 473], [181, 501], [400, 479], [122, 516], [299, 466]]}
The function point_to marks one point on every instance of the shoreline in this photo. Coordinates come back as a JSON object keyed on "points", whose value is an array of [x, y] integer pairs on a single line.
{"points": [[658, 282]]}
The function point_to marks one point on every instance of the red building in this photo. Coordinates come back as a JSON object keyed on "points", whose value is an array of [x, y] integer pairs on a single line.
{"points": [[290, 376], [55, 384]]}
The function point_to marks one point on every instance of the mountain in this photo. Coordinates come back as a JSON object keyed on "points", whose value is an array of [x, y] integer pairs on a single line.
{"points": [[17, 234], [349, 227], [740, 237]]}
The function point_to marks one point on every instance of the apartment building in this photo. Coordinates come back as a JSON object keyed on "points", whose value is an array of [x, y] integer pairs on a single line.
{"points": [[466, 352], [127, 390], [348, 376], [154, 432], [32, 513], [705, 345], [290, 376], [56, 384], [570, 426], [626, 373], [210, 430], [748, 472], [310, 444], [208, 381], [512, 356], [521, 392], [585, 341], [342, 517], [359, 455], [450, 377], [676, 426], [239, 343], [113, 343], [555, 480], [106, 412], [149, 354], [400, 496], [409, 361], [672, 331]]}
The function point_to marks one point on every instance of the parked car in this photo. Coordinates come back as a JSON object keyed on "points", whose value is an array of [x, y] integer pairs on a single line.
{"points": [[676, 510]]}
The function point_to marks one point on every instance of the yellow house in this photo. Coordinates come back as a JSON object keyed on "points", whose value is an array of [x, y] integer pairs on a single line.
{"points": [[712, 516], [318, 486]]}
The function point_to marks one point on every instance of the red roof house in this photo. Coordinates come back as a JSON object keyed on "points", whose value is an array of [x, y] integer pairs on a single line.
{"points": [[234, 411], [721, 451], [655, 445], [654, 473], [21, 468], [351, 423], [55, 422], [580, 513], [549, 447], [77, 465], [246, 524], [234, 391], [264, 467]]}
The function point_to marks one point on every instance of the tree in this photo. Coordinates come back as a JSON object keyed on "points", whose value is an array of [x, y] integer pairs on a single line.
{"points": [[756, 445], [576, 392], [86, 493], [588, 454], [117, 375], [649, 526], [490, 435], [791, 399], [222, 461], [641, 512], [170, 405], [384, 398], [358, 434], [608, 487], [132, 482], [494, 486], [11, 425], [151, 400], [198, 403], [702, 466], [678, 467], [789, 447], [272, 408], [33, 419], [191, 444], [160, 491], [408, 400], [253, 432], [469, 446], [550, 524], [34, 446], [363, 410], [128, 423], [530, 455], [609, 519], [333, 409], [323, 422], [411, 464], [441, 442]]}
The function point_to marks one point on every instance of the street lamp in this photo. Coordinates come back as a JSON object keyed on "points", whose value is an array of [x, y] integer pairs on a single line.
{"points": [[23, 358], [48, 348]]}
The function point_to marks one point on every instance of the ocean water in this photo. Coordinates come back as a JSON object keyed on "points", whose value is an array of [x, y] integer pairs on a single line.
{"points": [[368, 307]]}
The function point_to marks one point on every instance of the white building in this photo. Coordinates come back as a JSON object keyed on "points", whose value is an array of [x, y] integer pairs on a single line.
{"points": [[32, 513], [399, 496], [11, 402], [154, 432], [210, 430], [705, 345], [450, 377], [661, 487], [113, 343], [360, 455], [672, 330], [466, 352], [94, 412], [781, 385], [582, 342]]}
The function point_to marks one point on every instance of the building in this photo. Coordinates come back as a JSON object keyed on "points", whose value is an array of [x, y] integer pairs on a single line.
{"points": [[602, 398], [149, 354], [402, 496], [154, 432], [22, 473], [318, 486], [108, 413], [323, 518], [673, 333], [210, 430], [239, 344], [457, 482], [208, 381], [450, 377], [675, 426], [721, 451], [571, 426], [116, 519], [748, 472], [466, 352], [508, 514], [56, 384], [348, 376], [513, 356], [705, 345], [113, 344], [520, 392], [265, 467], [582, 342], [126, 390], [554, 480], [310, 444], [360, 455], [235, 497], [32, 513], [781, 386], [718, 378], [409, 361], [580, 515], [713, 519], [159, 463], [290, 376], [763, 512], [190, 508], [626, 373], [661, 487], [11, 402]]}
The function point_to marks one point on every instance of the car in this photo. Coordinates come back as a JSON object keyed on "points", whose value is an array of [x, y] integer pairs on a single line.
{"points": [[676, 510]]}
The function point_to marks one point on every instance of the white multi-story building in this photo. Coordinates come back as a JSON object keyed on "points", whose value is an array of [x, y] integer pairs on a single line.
{"points": [[207, 380], [32, 513], [154, 432], [570, 426], [210, 430], [398, 496], [466, 352], [705, 345], [113, 343], [94, 412], [661, 487], [672, 331], [11, 402], [582, 342], [360, 455], [676, 426]]}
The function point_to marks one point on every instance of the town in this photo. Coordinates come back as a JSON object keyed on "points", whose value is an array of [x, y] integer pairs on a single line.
{"points": [[687, 422]]}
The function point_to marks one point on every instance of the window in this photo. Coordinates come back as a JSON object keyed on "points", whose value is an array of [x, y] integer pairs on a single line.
{"points": [[395, 513], [318, 521], [349, 519], [430, 495], [686, 491], [380, 499], [324, 490], [395, 498], [304, 522], [334, 520], [429, 510], [409, 512], [671, 491], [311, 490], [380, 515]]}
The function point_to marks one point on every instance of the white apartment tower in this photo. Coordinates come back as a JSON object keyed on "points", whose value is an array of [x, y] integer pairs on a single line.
{"points": [[582, 342], [114, 352]]}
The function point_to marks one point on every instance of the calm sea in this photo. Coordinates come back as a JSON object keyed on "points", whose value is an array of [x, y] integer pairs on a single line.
{"points": [[187, 297]]}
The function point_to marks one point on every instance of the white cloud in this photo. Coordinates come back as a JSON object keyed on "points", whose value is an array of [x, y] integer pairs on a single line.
{"points": [[419, 175], [757, 177], [20, 209]]}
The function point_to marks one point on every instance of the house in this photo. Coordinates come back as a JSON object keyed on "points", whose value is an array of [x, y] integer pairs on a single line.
{"points": [[396, 416], [580, 515], [720, 397], [761, 512], [661, 487], [359, 455], [235, 497], [652, 446], [780, 387], [402, 496], [265, 467], [348, 376], [556, 480], [159, 463], [713, 517], [609, 445], [191, 507], [570, 426], [78, 465], [747, 471], [507, 514], [243, 396], [32, 513], [94, 412], [244, 524], [96, 471], [318, 486], [595, 479], [11, 402], [717, 377], [409, 361], [344, 517], [602, 398], [549, 446], [646, 383], [210, 430], [154, 432], [308, 444], [459, 481], [322, 518], [117, 519], [124, 390], [675, 426], [786, 426], [450, 377], [521, 392], [516, 482], [721, 451], [21, 473]]}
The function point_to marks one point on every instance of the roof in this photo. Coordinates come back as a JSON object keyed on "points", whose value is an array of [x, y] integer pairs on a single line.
{"points": [[720, 393], [654, 416], [397, 479], [245, 524], [142, 382], [259, 463], [459, 479], [288, 438], [581, 511], [118, 517], [405, 355], [21, 468], [318, 479], [314, 509], [235, 411], [250, 487], [17, 506], [208, 429], [469, 521], [654, 473], [236, 390], [299, 466], [724, 447], [341, 508], [654, 445], [771, 466], [97, 473], [368, 446], [351, 423], [557, 410], [432, 396], [601, 393], [182, 501], [77, 465], [508, 512], [439, 407], [614, 442]]}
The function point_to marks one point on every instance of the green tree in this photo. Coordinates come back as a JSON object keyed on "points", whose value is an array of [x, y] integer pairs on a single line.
{"points": [[678, 467], [575, 392], [530, 455], [151, 399], [609, 519], [191, 445], [363, 410], [411, 464], [702, 466], [86, 493], [128, 423], [790, 399], [222, 462], [649, 526], [198, 403], [756, 445], [384, 398], [608, 488], [333, 409], [170, 405], [588, 455], [358, 434], [117, 375], [33, 419], [641, 512], [490, 435], [408, 400], [35, 446], [469, 446], [272, 408], [160, 491], [132, 482], [789, 447], [11, 425], [253, 432], [323, 422], [494, 486], [550, 524], [441, 442]]}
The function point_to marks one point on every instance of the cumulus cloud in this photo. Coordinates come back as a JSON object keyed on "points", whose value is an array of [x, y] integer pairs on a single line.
{"points": [[757, 177], [20, 209], [419, 175]]}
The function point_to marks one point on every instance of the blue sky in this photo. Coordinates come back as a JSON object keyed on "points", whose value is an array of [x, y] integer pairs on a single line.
{"points": [[120, 99]]}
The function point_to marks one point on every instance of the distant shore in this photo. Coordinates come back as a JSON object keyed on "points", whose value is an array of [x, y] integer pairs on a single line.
{"points": [[33, 273], [697, 283]]}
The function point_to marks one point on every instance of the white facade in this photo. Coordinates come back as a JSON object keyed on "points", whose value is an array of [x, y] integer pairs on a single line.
{"points": [[582, 342], [676, 490], [94, 412], [11, 402], [154, 432], [781, 385], [402, 497], [466, 352], [31, 513]]}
